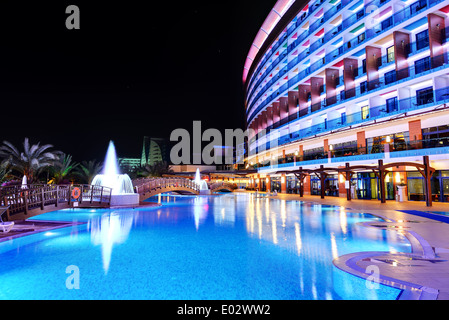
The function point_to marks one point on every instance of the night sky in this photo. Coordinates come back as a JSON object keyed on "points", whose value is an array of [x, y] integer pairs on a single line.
{"points": [[129, 71]]}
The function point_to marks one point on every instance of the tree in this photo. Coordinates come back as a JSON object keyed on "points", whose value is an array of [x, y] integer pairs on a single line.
{"points": [[5, 172], [61, 168], [31, 161], [87, 170], [156, 170]]}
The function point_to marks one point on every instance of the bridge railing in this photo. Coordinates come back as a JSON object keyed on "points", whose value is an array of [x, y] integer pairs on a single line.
{"points": [[222, 184], [22, 200], [152, 184]]}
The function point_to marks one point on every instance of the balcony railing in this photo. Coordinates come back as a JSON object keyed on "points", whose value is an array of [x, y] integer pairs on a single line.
{"points": [[394, 20], [428, 99], [398, 149]]}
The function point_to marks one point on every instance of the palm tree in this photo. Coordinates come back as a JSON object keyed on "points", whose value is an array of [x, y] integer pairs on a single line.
{"points": [[156, 170], [62, 168], [5, 172], [87, 170], [31, 161]]}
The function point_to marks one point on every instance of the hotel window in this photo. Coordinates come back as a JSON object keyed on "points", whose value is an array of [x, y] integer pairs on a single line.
{"points": [[363, 87], [387, 23], [390, 77], [417, 6], [364, 65], [361, 37], [343, 118], [422, 39], [424, 96], [422, 65], [360, 14], [344, 149], [440, 132], [365, 112], [390, 54], [392, 104]]}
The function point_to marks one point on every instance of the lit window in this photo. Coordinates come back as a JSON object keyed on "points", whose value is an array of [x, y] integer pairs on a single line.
{"points": [[365, 112]]}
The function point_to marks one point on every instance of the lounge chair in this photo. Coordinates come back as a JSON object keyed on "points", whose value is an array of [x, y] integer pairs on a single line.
{"points": [[5, 226]]}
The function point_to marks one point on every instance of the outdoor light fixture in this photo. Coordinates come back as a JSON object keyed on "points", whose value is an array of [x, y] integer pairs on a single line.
{"points": [[388, 139], [282, 179], [342, 178]]}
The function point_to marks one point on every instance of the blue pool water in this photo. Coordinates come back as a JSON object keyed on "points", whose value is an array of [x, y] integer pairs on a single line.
{"points": [[232, 246]]}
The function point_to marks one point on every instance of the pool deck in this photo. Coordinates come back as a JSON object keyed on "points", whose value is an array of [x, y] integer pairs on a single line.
{"points": [[424, 272]]}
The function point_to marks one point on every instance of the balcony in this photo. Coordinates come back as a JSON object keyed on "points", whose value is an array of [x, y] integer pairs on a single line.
{"points": [[385, 25], [375, 152], [425, 99]]}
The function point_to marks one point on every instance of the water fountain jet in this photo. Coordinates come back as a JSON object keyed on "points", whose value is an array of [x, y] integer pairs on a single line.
{"points": [[202, 184], [121, 184]]}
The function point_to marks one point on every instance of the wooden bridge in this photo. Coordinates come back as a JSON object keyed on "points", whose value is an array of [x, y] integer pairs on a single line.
{"points": [[33, 200], [222, 186], [150, 187], [147, 188]]}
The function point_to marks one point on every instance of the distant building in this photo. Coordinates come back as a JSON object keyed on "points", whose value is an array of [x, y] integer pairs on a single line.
{"points": [[155, 150], [128, 165]]}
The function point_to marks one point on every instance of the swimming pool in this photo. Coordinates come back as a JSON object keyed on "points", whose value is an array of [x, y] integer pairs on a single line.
{"points": [[233, 246]]}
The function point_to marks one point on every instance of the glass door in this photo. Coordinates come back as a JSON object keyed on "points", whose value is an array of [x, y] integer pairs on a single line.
{"points": [[363, 186], [445, 189]]}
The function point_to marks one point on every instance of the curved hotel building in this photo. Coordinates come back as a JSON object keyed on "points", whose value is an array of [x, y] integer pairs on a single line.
{"points": [[355, 84]]}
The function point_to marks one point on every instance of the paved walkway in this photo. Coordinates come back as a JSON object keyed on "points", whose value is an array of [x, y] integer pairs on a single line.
{"points": [[426, 268]]}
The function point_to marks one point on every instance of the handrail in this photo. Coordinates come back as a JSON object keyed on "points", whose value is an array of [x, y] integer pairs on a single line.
{"points": [[148, 185], [23, 199], [222, 184]]}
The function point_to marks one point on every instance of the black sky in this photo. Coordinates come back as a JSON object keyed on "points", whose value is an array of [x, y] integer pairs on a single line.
{"points": [[131, 70]]}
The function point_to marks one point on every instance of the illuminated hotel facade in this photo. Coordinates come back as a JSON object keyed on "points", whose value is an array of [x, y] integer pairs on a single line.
{"points": [[335, 83]]}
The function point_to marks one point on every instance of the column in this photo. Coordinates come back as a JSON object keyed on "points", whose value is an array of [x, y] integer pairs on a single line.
{"points": [[401, 51], [361, 142], [415, 134], [315, 91], [349, 73], [283, 106], [264, 120], [332, 77], [341, 185], [307, 185], [373, 54], [427, 180], [268, 183], [436, 36], [270, 116], [283, 183], [303, 95], [276, 114], [326, 146], [293, 105]]}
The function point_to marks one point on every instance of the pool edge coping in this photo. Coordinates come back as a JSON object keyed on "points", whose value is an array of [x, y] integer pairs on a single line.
{"points": [[410, 291]]}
